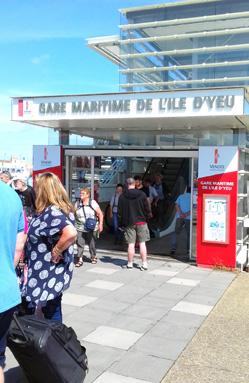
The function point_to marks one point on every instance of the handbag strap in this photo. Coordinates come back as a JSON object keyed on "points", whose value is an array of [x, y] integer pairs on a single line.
{"points": [[82, 205]]}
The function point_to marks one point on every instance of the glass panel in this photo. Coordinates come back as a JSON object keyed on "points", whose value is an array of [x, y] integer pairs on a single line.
{"points": [[168, 139], [187, 40]]}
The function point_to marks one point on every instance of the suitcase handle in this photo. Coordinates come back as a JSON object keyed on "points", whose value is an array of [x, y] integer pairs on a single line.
{"points": [[20, 327]]}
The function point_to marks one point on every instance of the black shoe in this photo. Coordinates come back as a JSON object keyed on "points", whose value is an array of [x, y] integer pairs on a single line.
{"points": [[172, 252]]}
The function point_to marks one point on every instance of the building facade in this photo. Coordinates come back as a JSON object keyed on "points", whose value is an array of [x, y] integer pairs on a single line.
{"points": [[183, 85]]}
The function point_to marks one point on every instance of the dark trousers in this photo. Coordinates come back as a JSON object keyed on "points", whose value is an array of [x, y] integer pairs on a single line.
{"points": [[180, 224], [84, 238], [52, 310], [5, 319]]}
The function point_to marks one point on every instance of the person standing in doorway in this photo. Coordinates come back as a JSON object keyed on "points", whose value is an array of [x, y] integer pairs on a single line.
{"points": [[134, 211], [86, 209], [182, 219], [11, 246], [114, 212]]}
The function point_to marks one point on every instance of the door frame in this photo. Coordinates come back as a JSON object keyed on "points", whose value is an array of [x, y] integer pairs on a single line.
{"points": [[174, 153]]}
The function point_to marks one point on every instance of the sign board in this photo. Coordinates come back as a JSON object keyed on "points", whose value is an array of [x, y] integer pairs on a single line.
{"points": [[217, 206], [47, 158], [215, 218], [214, 102]]}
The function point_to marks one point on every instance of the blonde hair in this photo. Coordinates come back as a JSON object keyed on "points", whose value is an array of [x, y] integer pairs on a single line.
{"points": [[86, 190], [50, 191]]}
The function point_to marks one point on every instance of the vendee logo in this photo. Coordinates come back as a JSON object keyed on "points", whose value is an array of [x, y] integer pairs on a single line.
{"points": [[215, 165]]}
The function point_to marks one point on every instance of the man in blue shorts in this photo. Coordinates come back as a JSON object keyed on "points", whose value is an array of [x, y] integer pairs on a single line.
{"points": [[11, 247]]}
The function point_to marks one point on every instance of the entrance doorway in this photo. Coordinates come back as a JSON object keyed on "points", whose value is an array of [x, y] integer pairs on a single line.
{"points": [[101, 170]]}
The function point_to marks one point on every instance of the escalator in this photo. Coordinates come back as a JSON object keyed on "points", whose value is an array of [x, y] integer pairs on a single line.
{"points": [[174, 177]]}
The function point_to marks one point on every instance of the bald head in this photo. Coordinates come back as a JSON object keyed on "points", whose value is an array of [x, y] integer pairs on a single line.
{"points": [[130, 183]]}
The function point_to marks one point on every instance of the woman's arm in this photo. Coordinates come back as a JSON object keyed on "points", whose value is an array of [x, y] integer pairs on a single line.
{"points": [[20, 242], [100, 218], [67, 238]]}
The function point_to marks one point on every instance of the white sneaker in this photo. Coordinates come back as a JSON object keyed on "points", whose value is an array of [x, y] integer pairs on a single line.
{"points": [[129, 265], [144, 266]]}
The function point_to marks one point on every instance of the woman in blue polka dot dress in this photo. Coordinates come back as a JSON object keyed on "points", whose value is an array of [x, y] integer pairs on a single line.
{"points": [[49, 248]]}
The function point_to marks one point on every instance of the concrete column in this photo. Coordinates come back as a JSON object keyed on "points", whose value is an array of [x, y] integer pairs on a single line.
{"points": [[64, 137]]}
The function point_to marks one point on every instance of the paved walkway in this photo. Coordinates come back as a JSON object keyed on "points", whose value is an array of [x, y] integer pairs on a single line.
{"points": [[136, 324], [220, 350]]}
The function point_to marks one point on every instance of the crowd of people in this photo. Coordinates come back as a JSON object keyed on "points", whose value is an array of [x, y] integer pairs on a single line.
{"points": [[39, 229]]}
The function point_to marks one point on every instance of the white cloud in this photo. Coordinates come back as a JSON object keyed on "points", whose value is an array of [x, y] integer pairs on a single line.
{"points": [[40, 59]]}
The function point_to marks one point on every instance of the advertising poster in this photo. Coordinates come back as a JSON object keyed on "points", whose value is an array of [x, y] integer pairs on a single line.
{"points": [[216, 219], [217, 206], [47, 158]]}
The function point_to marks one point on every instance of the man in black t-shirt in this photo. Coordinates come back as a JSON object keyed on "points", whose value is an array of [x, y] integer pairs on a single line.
{"points": [[134, 212], [27, 195]]}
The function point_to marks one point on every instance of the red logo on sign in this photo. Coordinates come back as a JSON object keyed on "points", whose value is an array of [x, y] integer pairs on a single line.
{"points": [[20, 108], [45, 153], [216, 156]]}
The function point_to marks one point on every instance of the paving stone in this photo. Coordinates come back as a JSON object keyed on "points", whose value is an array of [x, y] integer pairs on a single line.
{"points": [[105, 285], [149, 281], [174, 292], [160, 347], [169, 330], [192, 308], [175, 266], [140, 366], [153, 301], [102, 270], [84, 290], [82, 328], [68, 309], [141, 310], [101, 357], [113, 337], [130, 294], [183, 318], [87, 314], [163, 273], [131, 323], [109, 377], [203, 299], [183, 282], [77, 299], [109, 304]]}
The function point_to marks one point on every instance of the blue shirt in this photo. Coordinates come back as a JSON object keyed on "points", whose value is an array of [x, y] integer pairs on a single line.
{"points": [[183, 201], [11, 223]]}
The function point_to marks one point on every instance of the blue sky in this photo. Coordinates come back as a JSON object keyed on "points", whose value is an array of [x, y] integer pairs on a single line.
{"points": [[43, 52]]}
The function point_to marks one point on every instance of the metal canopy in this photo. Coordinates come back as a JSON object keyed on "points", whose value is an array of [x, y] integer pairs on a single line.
{"points": [[110, 127], [69, 114]]}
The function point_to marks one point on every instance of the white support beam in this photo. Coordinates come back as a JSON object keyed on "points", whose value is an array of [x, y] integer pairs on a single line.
{"points": [[184, 36], [182, 82], [188, 20], [177, 52], [184, 67]]}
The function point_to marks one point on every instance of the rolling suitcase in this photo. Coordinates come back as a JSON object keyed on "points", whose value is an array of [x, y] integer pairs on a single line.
{"points": [[47, 351]]}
